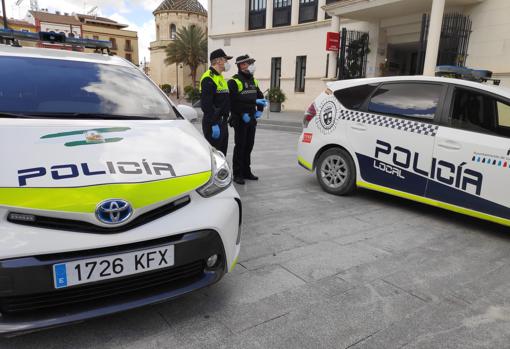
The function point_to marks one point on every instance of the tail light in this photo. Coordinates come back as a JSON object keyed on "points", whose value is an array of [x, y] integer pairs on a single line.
{"points": [[309, 115]]}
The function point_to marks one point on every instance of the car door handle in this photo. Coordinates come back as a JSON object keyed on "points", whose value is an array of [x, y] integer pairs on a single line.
{"points": [[450, 145], [359, 126]]}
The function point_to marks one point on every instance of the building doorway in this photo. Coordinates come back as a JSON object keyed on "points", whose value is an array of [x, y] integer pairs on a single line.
{"points": [[401, 59]]}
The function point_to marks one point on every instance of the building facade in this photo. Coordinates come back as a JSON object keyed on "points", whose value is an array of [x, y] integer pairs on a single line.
{"points": [[24, 26], [380, 37], [170, 16], [65, 24], [124, 42]]}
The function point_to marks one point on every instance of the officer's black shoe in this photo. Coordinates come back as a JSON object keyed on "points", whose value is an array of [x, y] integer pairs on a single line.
{"points": [[239, 180], [251, 177]]}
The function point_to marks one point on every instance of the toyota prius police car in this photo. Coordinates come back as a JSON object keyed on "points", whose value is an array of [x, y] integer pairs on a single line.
{"points": [[109, 198], [436, 140]]}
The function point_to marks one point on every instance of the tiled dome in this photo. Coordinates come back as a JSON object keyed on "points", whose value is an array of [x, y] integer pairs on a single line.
{"points": [[192, 6]]}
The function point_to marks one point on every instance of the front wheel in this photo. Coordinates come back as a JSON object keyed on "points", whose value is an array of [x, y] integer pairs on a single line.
{"points": [[336, 172]]}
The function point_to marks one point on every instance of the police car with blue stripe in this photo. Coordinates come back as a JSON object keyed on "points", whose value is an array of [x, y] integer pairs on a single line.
{"points": [[438, 140], [110, 199]]}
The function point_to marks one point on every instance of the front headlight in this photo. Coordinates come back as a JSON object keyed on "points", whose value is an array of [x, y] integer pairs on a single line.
{"points": [[221, 177]]}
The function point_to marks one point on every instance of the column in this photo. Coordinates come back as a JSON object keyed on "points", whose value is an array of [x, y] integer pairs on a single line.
{"points": [[321, 14], [436, 22], [295, 13], [269, 14], [333, 56]]}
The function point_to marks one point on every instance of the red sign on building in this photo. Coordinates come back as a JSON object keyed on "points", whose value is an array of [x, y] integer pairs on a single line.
{"points": [[332, 41]]}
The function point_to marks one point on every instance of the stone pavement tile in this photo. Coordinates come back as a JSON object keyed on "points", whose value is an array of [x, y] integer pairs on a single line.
{"points": [[240, 317], [330, 229], [339, 322], [439, 276], [404, 238], [268, 244], [448, 324], [332, 259], [252, 286], [99, 333]]}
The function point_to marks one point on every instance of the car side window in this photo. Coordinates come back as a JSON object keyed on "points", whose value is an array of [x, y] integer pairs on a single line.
{"points": [[408, 100], [478, 112], [354, 97]]}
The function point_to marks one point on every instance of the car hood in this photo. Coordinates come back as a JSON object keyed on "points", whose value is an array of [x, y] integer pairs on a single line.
{"points": [[73, 165]]}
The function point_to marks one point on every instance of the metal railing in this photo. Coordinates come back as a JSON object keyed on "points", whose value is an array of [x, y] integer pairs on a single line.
{"points": [[257, 19]]}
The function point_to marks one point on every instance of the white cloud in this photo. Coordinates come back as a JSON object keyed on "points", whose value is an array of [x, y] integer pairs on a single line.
{"points": [[146, 34]]}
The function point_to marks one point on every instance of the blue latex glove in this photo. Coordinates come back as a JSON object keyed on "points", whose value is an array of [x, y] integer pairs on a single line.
{"points": [[246, 118], [262, 102], [215, 132], [258, 114]]}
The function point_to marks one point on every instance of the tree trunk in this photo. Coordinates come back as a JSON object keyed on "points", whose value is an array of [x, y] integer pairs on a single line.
{"points": [[194, 76]]}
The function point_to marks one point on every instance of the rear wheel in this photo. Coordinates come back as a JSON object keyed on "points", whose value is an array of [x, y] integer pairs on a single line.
{"points": [[336, 172]]}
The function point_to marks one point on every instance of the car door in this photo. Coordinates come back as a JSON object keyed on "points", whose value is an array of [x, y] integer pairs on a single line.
{"points": [[393, 135], [472, 154]]}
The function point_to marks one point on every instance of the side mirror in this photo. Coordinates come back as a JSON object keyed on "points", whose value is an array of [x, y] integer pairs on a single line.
{"points": [[188, 112]]}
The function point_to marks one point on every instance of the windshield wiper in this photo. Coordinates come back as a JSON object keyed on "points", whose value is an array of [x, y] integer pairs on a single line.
{"points": [[13, 115]]}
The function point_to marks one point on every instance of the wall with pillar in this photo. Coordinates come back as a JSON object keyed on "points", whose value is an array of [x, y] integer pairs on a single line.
{"points": [[489, 45]]}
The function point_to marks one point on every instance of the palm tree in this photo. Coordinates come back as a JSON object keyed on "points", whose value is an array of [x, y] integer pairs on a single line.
{"points": [[189, 48]]}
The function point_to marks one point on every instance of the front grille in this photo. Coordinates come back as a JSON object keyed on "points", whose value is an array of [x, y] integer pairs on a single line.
{"points": [[153, 281], [84, 227]]}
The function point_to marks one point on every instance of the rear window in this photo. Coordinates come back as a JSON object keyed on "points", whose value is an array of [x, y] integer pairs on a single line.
{"points": [[408, 100], [45, 86], [353, 97]]}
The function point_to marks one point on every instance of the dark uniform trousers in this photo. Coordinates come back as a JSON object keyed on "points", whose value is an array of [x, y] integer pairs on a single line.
{"points": [[244, 141], [222, 143]]}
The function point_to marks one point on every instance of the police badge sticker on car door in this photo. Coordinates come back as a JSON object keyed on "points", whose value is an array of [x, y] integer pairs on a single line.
{"points": [[328, 115]]}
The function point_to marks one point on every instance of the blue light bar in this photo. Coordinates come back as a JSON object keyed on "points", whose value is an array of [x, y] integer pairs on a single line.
{"points": [[51, 37], [477, 75]]}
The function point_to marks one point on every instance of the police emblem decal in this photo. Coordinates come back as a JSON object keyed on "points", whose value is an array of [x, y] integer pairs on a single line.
{"points": [[327, 119]]}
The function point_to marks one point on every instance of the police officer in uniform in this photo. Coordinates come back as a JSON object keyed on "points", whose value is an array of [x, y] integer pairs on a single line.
{"points": [[247, 104], [215, 101]]}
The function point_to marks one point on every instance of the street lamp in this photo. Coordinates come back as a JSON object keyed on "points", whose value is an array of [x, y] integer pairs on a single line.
{"points": [[5, 15], [177, 66]]}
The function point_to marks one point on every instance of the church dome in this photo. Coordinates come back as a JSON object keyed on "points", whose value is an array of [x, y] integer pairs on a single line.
{"points": [[189, 6]]}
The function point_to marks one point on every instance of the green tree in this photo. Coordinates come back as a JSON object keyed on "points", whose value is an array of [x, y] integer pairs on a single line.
{"points": [[189, 48]]}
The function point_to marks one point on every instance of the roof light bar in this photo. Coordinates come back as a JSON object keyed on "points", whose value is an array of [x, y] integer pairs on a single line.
{"points": [[478, 75], [50, 37]]}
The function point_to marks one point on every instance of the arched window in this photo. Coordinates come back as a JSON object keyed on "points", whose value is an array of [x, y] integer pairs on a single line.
{"points": [[173, 31], [157, 32]]}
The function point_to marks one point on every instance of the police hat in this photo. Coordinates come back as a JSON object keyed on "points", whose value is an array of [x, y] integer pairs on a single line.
{"points": [[219, 53], [244, 59]]}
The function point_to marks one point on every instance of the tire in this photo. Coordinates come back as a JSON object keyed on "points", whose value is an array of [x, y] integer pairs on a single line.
{"points": [[336, 172]]}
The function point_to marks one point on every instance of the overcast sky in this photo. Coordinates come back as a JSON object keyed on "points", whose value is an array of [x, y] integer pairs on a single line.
{"points": [[136, 13]]}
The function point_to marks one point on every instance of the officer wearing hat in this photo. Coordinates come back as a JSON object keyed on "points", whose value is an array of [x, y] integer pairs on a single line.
{"points": [[247, 104], [215, 101]]}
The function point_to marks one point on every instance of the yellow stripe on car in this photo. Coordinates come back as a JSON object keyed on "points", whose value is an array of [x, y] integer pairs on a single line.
{"points": [[86, 199], [433, 202], [305, 163]]}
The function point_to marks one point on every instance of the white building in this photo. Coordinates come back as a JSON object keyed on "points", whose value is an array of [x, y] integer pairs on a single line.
{"points": [[288, 38]]}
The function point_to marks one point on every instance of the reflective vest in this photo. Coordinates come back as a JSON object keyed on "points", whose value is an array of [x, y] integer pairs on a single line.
{"points": [[245, 87], [218, 79]]}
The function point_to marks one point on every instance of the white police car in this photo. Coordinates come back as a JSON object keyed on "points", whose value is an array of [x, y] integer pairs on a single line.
{"points": [[436, 140], [109, 198]]}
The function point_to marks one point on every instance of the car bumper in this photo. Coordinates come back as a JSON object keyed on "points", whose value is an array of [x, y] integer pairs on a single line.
{"points": [[29, 302]]}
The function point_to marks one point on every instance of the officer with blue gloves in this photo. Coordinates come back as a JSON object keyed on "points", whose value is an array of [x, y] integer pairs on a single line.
{"points": [[215, 101], [247, 105]]}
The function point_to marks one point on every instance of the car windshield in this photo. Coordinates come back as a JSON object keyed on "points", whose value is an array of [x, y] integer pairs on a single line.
{"points": [[51, 87]]}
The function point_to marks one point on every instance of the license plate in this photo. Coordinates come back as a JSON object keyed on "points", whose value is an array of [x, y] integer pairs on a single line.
{"points": [[109, 267]]}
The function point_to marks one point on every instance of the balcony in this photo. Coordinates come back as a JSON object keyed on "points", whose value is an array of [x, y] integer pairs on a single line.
{"points": [[257, 19], [308, 11], [128, 48], [282, 16]]}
